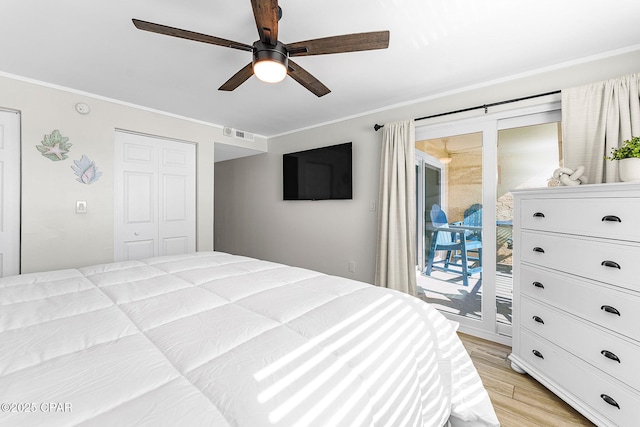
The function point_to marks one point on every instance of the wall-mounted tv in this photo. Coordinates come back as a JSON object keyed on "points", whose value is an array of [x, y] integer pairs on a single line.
{"points": [[318, 174]]}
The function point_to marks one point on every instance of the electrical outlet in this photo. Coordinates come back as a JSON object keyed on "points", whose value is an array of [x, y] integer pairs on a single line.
{"points": [[81, 206], [352, 266], [372, 206]]}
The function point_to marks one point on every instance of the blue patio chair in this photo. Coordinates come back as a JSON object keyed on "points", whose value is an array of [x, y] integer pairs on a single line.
{"points": [[453, 239], [473, 218]]}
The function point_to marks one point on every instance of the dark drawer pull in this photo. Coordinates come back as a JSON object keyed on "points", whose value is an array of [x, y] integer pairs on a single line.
{"points": [[611, 264], [610, 309], [538, 215], [538, 319], [538, 354], [611, 218], [610, 400], [538, 249], [538, 285], [610, 355]]}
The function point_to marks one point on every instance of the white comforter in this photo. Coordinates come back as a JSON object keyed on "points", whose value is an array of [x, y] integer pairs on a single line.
{"points": [[212, 339]]}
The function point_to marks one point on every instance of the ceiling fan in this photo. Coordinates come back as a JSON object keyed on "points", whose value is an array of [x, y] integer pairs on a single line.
{"points": [[271, 58]]}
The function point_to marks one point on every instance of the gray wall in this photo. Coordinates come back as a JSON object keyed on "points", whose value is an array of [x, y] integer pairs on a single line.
{"points": [[253, 220], [325, 235]]}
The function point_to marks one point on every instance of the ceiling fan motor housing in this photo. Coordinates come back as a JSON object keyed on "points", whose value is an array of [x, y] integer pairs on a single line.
{"points": [[269, 52]]}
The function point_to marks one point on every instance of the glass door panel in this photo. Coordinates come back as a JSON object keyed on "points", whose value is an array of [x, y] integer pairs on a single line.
{"points": [[527, 158], [451, 272]]}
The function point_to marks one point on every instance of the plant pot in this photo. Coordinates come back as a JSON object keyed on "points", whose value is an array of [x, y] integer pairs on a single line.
{"points": [[629, 169]]}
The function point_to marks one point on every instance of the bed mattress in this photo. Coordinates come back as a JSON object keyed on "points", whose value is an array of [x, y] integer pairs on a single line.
{"points": [[213, 339]]}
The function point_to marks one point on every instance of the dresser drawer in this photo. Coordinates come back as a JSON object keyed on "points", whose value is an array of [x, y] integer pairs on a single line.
{"points": [[580, 380], [605, 306], [614, 263], [613, 218], [607, 352]]}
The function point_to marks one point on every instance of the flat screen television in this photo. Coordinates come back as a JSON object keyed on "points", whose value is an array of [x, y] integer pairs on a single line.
{"points": [[318, 174]]}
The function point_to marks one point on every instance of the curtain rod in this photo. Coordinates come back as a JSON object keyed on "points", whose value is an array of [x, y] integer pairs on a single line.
{"points": [[377, 127]]}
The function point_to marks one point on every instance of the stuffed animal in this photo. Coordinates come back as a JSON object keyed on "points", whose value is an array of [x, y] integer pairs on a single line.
{"points": [[566, 176]]}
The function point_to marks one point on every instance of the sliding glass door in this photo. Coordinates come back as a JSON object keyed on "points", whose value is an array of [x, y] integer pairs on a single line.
{"points": [[465, 171], [448, 280], [453, 273], [529, 151]]}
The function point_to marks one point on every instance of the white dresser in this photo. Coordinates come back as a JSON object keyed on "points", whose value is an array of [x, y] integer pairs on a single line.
{"points": [[576, 289]]}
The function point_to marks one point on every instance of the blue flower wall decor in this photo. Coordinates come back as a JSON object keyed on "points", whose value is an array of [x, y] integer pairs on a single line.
{"points": [[86, 170], [55, 146]]}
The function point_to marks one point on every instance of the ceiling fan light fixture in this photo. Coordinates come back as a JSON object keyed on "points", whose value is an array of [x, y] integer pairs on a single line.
{"points": [[270, 62], [270, 71], [446, 159]]}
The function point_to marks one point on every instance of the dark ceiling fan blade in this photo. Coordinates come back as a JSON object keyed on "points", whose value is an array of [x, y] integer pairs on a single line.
{"points": [[265, 13], [303, 77], [238, 78], [340, 44], [189, 35]]}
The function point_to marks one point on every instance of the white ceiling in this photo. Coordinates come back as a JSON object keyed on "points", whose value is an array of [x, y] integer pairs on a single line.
{"points": [[435, 46]]}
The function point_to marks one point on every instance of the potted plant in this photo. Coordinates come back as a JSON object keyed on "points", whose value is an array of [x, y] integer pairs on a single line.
{"points": [[629, 156]]}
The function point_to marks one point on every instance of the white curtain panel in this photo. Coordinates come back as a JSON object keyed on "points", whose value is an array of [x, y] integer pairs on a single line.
{"points": [[396, 253], [596, 118]]}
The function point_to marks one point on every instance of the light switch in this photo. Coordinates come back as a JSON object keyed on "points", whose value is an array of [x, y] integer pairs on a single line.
{"points": [[81, 206]]}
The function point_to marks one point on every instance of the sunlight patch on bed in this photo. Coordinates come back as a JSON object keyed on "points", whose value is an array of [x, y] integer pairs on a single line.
{"points": [[386, 343], [311, 344], [342, 361]]}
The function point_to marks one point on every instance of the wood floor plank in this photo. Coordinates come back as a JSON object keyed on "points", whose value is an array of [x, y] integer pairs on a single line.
{"points": [[518, 399], [547, 401], [496, 385], [534, 416]]}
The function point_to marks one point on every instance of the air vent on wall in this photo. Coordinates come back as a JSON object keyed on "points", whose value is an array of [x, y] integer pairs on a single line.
{"points": [[243, 135], [235, 133]]}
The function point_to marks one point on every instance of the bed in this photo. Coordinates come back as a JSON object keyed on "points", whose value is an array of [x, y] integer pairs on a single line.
{"points": [[213, 339]]}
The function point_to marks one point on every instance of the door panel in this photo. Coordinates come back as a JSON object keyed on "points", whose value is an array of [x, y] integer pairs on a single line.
{"points": [[177, 200], [452, 276], [175, 245], [139, 189], [9, 193], [174, 158], [138, 154], [139, 249], [527, 156], [174, 190]]}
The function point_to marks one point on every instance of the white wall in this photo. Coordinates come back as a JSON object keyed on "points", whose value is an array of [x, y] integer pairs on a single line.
{"points": [[252, 219], [53, 236]]}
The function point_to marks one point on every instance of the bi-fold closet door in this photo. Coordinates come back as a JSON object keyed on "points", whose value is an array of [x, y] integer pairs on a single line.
{"points": [[154, 196]]}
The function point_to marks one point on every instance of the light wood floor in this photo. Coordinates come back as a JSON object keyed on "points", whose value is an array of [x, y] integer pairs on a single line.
{"points": [[519, 400]]}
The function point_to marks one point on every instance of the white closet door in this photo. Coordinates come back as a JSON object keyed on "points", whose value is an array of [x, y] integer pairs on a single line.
{"points": [[155, 202], [9, 193], [177, 198]]}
